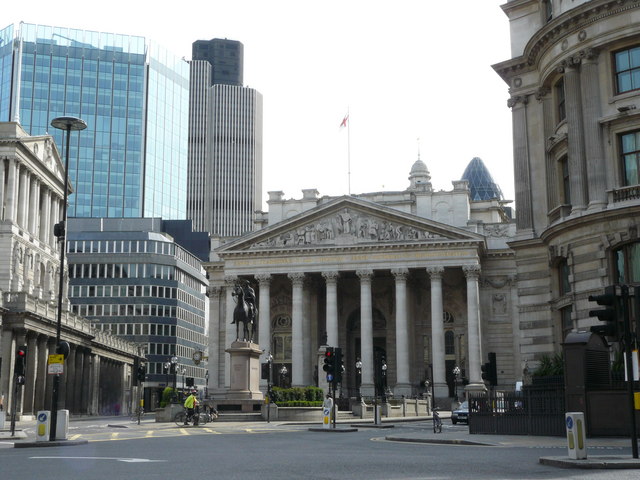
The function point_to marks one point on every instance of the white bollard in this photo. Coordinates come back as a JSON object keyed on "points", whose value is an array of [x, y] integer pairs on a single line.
{"points": [[43, 424], [576, 435], [62, 425]]}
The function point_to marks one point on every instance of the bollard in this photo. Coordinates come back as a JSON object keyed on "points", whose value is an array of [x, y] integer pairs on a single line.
{"points": [[43, 421], [576, 435]]}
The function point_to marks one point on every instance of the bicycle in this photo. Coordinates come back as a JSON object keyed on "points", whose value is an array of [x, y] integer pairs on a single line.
{"points": [[137, 415], [183, 419], [437, 421]]}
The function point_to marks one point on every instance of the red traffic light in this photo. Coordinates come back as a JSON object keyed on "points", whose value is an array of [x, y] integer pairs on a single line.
{"points": [[22, 352]]}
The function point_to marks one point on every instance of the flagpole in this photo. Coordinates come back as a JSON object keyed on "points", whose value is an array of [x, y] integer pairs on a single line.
{"points": [[348, 153]]}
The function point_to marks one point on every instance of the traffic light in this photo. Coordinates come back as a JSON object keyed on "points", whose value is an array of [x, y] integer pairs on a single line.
{"points": [[329, 363], [142, 372], [493, 369], [20, 369], [337, 365], [610, 314], [490, 370]]}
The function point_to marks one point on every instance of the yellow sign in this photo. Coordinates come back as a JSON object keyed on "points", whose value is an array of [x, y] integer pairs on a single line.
{"points": [[56, 359]]}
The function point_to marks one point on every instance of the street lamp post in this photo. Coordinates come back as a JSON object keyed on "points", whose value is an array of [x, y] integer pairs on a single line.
{"points": [[456, 376], [60, 230], [269, 382], [359, 376], [174, 369]]}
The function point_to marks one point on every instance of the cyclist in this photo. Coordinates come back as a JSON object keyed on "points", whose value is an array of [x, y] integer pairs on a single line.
{"points": [[190, 404]]}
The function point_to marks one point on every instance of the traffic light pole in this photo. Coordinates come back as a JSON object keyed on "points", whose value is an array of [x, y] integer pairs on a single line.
{"points": [[629, 364]]}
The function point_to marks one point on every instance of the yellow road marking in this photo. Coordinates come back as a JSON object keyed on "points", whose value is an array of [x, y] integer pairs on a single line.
{"points": [[75, 437]]}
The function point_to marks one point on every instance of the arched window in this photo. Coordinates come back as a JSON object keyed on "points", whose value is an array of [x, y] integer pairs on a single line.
{"points": [[449, 343]]}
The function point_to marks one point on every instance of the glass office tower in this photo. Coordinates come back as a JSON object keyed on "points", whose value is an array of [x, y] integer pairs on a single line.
{"points": [[131, 161]]}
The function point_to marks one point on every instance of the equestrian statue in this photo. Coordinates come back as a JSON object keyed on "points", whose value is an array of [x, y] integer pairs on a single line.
{"points": [[245, 311]]}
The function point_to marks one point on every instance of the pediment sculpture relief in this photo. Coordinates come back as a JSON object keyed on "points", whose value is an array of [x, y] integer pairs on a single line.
{"points": [[347, 227]]}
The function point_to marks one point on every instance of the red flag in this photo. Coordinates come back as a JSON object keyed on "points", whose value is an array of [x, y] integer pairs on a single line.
{"points": [[344, 121]]}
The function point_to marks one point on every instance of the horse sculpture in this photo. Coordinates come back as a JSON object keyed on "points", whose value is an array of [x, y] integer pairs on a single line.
{"points": [[244, 312]]}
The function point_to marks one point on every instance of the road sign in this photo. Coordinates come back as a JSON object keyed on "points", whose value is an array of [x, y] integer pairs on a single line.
{"points": [[55, 368], [56, 358]]}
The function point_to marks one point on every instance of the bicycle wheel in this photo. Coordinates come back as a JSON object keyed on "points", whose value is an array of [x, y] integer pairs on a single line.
{"points": [[203, 418], [180, 419]]}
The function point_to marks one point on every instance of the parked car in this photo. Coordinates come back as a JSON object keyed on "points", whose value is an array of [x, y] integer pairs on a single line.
{"points": [[460, 414]]}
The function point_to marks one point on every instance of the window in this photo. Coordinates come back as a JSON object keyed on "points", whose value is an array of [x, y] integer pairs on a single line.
{"points": [[563, 277], [548, 5], [630, 161], [560, 102], [628, 69], [627, 263], [567, 323], [565, 193]]}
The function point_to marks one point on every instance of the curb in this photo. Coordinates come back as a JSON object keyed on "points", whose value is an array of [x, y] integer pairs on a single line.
{"points": [[443, 441], [610, 462], [55, 443]]}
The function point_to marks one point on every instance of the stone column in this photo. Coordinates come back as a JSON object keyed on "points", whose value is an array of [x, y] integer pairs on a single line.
{"points": [[94, 400], [548, 115], [216, 317], [403, 369], [85, 398], [40, 394], [595, 163], [70, 384], [229, 329], [45, 215], [79, 379], [309, 356], [264, 314], [437, 333], [6, 368], [18, 403], [48, 397], [33, 206], [32, 374], [2, 190], [22, 199], [522, 172], [264, 321], [472, 272], [297, 342], [12, 191], [576, 149], [366, 332], [331, 279]]}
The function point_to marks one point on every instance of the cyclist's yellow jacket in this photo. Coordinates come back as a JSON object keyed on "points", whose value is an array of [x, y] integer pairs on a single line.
{"points": [[190, 402]]}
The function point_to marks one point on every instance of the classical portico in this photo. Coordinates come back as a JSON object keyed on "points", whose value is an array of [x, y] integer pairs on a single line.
{"points": [[382, 284]]}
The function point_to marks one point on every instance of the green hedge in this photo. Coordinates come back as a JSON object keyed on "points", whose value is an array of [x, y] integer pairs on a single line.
{"points": [[296, 403], [297, 396], [167, 393]]}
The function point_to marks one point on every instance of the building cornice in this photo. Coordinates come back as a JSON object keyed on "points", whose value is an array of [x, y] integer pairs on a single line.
{"points": [[566, 24]]}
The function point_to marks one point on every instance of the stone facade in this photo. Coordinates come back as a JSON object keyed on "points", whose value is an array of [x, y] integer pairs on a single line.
{"points": [[369, 273], [575, 124], [97, 371]]}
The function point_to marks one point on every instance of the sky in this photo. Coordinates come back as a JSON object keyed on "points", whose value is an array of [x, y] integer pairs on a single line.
{"points": [[414, 76]]}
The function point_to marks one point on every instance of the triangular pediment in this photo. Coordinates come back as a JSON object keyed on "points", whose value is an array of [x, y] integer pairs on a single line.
{"points": [[347, 221]]}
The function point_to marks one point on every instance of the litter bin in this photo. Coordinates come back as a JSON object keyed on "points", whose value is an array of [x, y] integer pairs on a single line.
{"points": [[576, 436]]}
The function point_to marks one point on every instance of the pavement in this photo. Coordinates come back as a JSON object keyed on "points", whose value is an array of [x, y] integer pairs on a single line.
{"points": [[24, 436]]}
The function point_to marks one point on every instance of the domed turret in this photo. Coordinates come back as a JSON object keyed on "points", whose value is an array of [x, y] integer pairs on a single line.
{"points": [[419, 176], [481, 183]]}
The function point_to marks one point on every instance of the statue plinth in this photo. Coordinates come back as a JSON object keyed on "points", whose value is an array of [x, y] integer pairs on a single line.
{"points": [[245, 371]]}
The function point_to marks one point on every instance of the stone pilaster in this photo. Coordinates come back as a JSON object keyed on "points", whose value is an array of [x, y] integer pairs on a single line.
{"points": [[522, 169], [297, 341]]}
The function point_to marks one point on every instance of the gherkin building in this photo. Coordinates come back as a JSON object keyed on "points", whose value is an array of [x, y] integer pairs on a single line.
{"points": [[481, 183]]}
